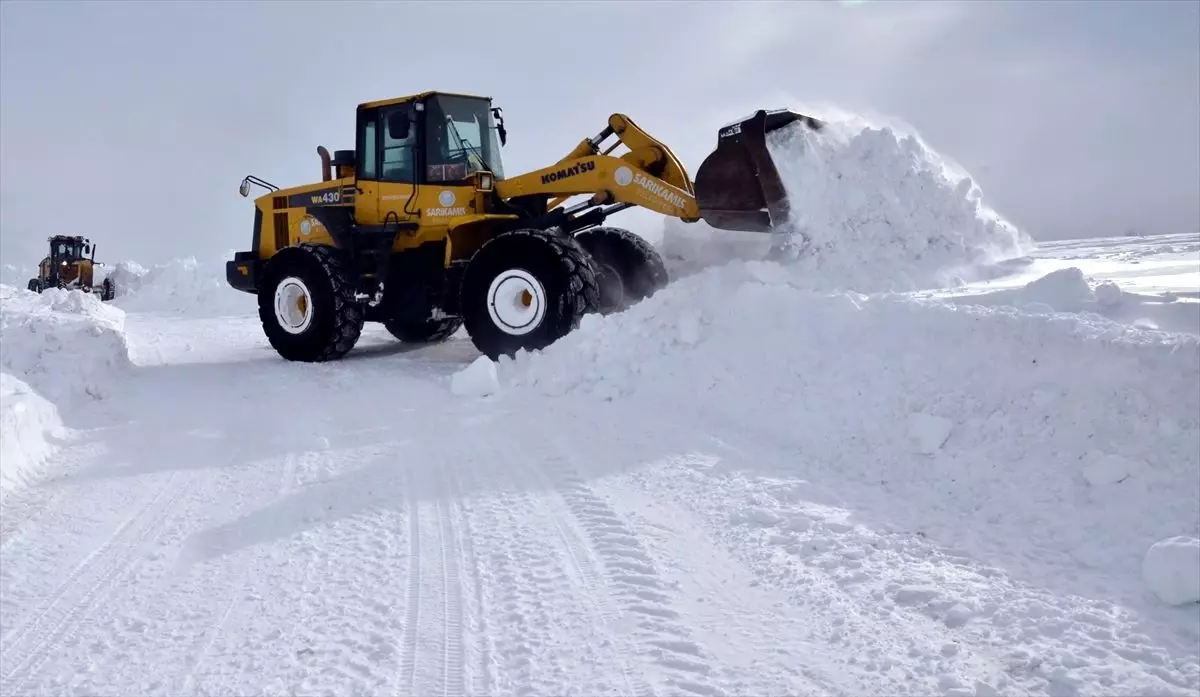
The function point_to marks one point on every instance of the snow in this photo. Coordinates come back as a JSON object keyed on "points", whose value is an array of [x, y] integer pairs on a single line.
{"points": [[1172, 570], [68, 345], [881, 210], [476, 380], [28, 425], [60, 348], [181, 286], [925, 458]]}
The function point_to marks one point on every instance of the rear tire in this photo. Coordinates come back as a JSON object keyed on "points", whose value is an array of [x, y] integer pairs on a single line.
{"points": [[429, 331], [637, 269], [526, 289], [307, 305]]}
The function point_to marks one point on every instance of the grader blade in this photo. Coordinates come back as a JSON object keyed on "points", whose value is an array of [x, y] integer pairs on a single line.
{"points": [[738, 186]]}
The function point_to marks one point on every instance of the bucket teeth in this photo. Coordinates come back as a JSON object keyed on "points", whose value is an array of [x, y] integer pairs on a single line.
{"points": [[738, 186]]}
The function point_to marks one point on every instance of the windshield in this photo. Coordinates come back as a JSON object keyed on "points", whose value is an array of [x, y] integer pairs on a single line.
{"points": [[461, 138], [67, 250]]}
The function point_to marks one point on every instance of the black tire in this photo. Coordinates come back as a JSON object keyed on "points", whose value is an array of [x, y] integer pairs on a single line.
{"points": [[335, 321], [107, 290], [429, 331], [630, 268], [34, 285], [557, 263]]}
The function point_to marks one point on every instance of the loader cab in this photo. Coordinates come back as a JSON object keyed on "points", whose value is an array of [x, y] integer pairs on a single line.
{"points": [[436, 139]]}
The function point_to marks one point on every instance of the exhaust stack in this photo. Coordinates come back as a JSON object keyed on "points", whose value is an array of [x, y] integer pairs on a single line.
{"points": [[326, 166]]}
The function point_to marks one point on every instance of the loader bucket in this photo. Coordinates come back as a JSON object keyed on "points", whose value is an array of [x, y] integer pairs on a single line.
{"points": [[737, 185]]}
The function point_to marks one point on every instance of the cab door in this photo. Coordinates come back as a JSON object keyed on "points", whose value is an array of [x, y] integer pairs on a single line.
{"points": [[366, 198], [398, 165]]}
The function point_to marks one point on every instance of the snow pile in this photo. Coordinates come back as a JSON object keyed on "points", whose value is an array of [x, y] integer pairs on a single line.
{"points": [[1070, 442], [881, 209], [884, 212], [27, 423], [183, 286], [476, 380], [1172, 570], [1069, 290], [67, 345], [60, 348]]}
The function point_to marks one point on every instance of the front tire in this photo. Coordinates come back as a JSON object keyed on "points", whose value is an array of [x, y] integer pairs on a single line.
{"points": [[526, 289], [307, 305], [108, 291], [633, 270]]}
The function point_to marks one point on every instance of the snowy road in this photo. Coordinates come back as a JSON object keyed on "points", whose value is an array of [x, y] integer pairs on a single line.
{"points": [[232, 524], [767, 479]]}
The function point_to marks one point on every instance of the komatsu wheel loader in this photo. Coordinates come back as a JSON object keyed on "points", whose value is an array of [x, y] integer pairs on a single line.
{"points": [[419, 228], [66, 266]]}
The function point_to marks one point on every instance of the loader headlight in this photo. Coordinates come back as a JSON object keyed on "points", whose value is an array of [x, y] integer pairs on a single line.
{"points": [[485, 182]]}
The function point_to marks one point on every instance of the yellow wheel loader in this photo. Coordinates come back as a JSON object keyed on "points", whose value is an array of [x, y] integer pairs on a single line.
{"points": [[68, 266], [419, 228]]}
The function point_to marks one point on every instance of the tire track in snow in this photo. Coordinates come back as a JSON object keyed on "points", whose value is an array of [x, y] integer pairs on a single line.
{"points": [[235, 602], [29, 647], [663, 637], [554, 619], [412, 588], [452, 612], [434, 598], [598, 597], [481, 682]]}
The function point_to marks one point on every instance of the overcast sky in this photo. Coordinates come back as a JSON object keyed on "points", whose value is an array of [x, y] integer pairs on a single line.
{"points": [[134, 122]]}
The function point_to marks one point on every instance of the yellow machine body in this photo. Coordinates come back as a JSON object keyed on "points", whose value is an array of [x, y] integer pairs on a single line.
{"points": [[424, 190]]}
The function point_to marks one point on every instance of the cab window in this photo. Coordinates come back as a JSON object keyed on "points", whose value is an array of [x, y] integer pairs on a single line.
{"points": [[399, 148]]}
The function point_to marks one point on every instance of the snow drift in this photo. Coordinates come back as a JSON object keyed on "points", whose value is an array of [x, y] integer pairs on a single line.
{"points": [[1062, 437], [28, 422], [61, 349], [881, 210], [182, 286], [1070, 290], [68, 345]]}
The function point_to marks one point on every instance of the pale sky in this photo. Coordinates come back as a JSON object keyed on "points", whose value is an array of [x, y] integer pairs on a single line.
{"points": [[133, 123]]}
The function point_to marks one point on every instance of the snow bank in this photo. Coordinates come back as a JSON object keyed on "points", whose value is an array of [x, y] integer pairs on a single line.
{"points": [[27, 423], [1065, 441], [1172, 570], [67, 345], [882, 210], [1069, 290], [183, 286], [60, 348]]}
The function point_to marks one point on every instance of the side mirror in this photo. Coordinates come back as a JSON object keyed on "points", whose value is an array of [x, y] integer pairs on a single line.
{"points": [[244, 189], [398, 124], [499, 114]]}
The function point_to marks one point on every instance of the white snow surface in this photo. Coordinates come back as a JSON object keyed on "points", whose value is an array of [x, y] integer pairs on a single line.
{"points": [[28, 425], [763, 480], [1172, 570], [181, 286], [68, 345], [881, 209]]}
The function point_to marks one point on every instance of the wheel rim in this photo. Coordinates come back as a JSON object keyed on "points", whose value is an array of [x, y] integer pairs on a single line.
{"points": [[516, 302], [293, 305]]}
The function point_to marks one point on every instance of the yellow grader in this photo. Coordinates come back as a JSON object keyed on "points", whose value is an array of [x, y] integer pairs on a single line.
{"points": [[71, 265], [419, 228]]}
